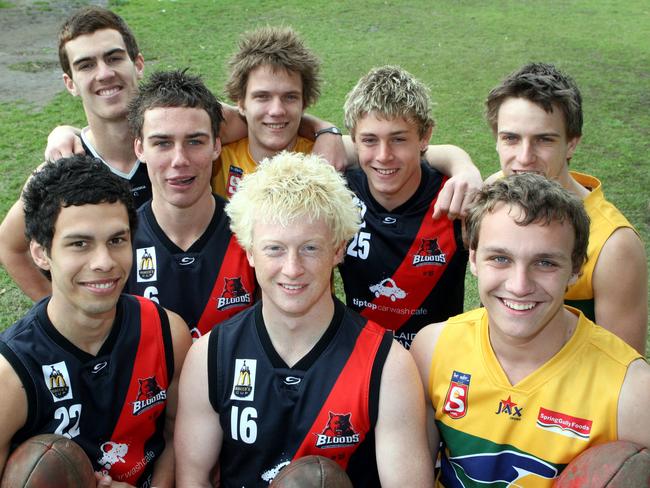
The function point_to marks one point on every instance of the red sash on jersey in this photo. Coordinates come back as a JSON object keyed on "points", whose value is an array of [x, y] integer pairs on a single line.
{"points": [[228, 297], [417, 285], [349, 396], [148, 379]]}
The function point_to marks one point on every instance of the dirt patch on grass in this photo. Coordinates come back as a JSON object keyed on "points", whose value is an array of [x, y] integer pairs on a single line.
{"points": [[29, 62]]}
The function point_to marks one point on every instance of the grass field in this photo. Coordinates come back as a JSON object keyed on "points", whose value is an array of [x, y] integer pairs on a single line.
{"points": [[459, 48]]}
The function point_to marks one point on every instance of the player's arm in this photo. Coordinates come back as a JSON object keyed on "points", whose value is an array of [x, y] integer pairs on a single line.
{"points": [[422, 351], [634, 404], [16, 258], [464, 179], [401, 425], [63, 141], [13, 408], [329, 146], [163, 473], [198, 436], [620, 283]]}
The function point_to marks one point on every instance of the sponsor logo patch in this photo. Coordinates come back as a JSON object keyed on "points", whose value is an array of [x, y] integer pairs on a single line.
{"points": [[145, 258], [150, 394], [235, 174], [510, 408], [429, 254], [112, 453], [338, 432], [563, 424], [456, 400], [57, 380], [233, 295], [243, 387], [388, 288]]}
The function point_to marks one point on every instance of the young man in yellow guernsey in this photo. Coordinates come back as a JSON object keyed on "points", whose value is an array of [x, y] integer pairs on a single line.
{"points": [[519, 388], [536, 116]]}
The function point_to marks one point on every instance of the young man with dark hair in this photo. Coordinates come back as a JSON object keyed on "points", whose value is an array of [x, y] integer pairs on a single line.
{"points": [[536, 116], [90, 363], [519, 388], [403, 269], [299, 373], [186, 257]]}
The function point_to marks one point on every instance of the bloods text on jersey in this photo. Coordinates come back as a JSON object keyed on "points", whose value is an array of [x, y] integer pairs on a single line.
{"points": [[205, 285], [326, 404], [403, 269], [112, 404]]}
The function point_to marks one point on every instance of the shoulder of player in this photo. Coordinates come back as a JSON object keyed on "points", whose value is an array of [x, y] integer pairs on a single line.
{"points": [[181, 337], [634, 404], [423, 346]]}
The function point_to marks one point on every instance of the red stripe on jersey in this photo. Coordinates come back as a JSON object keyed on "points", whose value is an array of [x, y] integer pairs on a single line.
{"points": [[348, 401], [417, 285], [148, 385], [234, 289]]}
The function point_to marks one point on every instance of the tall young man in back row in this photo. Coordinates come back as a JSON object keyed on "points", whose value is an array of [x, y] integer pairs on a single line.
{"points": [[536, 116], [403, 269]]}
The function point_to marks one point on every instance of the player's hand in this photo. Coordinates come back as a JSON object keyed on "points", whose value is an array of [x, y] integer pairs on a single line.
{"points": [[457, 194], [330, 147], [62, 142], [105, 481]]}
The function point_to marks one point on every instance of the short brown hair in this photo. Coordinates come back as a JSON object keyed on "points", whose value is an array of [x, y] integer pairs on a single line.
{"points": [[541, 201], [280, 48], [545, 86], [87, 21]]}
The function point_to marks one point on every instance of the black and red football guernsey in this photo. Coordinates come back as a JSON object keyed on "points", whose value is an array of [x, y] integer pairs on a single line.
{"points": [[403, 269], [112, 404], [205, 285], [326, 404], [137, 178]]}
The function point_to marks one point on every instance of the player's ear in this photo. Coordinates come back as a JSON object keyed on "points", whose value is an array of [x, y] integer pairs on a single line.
{"points": [[138, 148], [249, 256], [574, 278], [339, 254], [139, 66], [241, 108], [39, 255], [424, 140], [571, 146], [69, 85], [472, 261]]}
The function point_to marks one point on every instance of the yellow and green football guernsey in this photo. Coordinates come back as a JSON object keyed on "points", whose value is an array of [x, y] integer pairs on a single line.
{"points": [[235, 161], [605, 219], [497, 435]]}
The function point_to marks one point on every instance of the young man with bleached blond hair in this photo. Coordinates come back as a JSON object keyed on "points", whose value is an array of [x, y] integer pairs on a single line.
{"points": [[299, 373]]}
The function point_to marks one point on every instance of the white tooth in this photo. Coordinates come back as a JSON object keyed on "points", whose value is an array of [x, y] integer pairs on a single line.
{"points": [[386, 171], [518, 306]]}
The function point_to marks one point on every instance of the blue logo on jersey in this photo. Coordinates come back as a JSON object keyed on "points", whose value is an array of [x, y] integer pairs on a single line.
{"points": [[499, 469]]}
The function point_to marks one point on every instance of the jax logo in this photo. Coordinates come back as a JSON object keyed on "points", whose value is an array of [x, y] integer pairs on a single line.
{"points": [[338, 432], [233, 295], [509, 408], [563, 424], [456, 400], [496, 470], [150, 394], [429, 253]]}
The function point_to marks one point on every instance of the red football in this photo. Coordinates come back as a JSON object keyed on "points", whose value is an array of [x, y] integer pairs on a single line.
{"points": [[48, 461], [312, 472], [614, 464]]}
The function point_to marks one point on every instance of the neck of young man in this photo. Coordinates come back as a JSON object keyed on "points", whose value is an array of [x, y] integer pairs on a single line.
{"points": [[85, 331], [258, 152], [293, 336], [519, 358], [113, 141], [569, 183], [184, 226]]}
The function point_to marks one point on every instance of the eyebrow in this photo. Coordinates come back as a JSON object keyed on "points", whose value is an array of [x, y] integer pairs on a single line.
{"points": [[543, 255], [192, 135], [77, 62], [81, 236], [542, 134]]}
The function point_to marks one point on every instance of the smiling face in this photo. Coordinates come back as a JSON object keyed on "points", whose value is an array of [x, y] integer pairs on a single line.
{"points": [[531, 140], [178, 147], [389, 154], [273, 106], [293, 265], [103, 75], [523, 273], [89, 260]]}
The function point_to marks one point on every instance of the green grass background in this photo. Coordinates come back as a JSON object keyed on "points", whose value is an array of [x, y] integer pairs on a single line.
{"points": [[460, 49]]}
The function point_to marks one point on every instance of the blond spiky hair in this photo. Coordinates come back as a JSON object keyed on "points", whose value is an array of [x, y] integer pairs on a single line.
{"points": [[291, 186], [390, 92]]}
